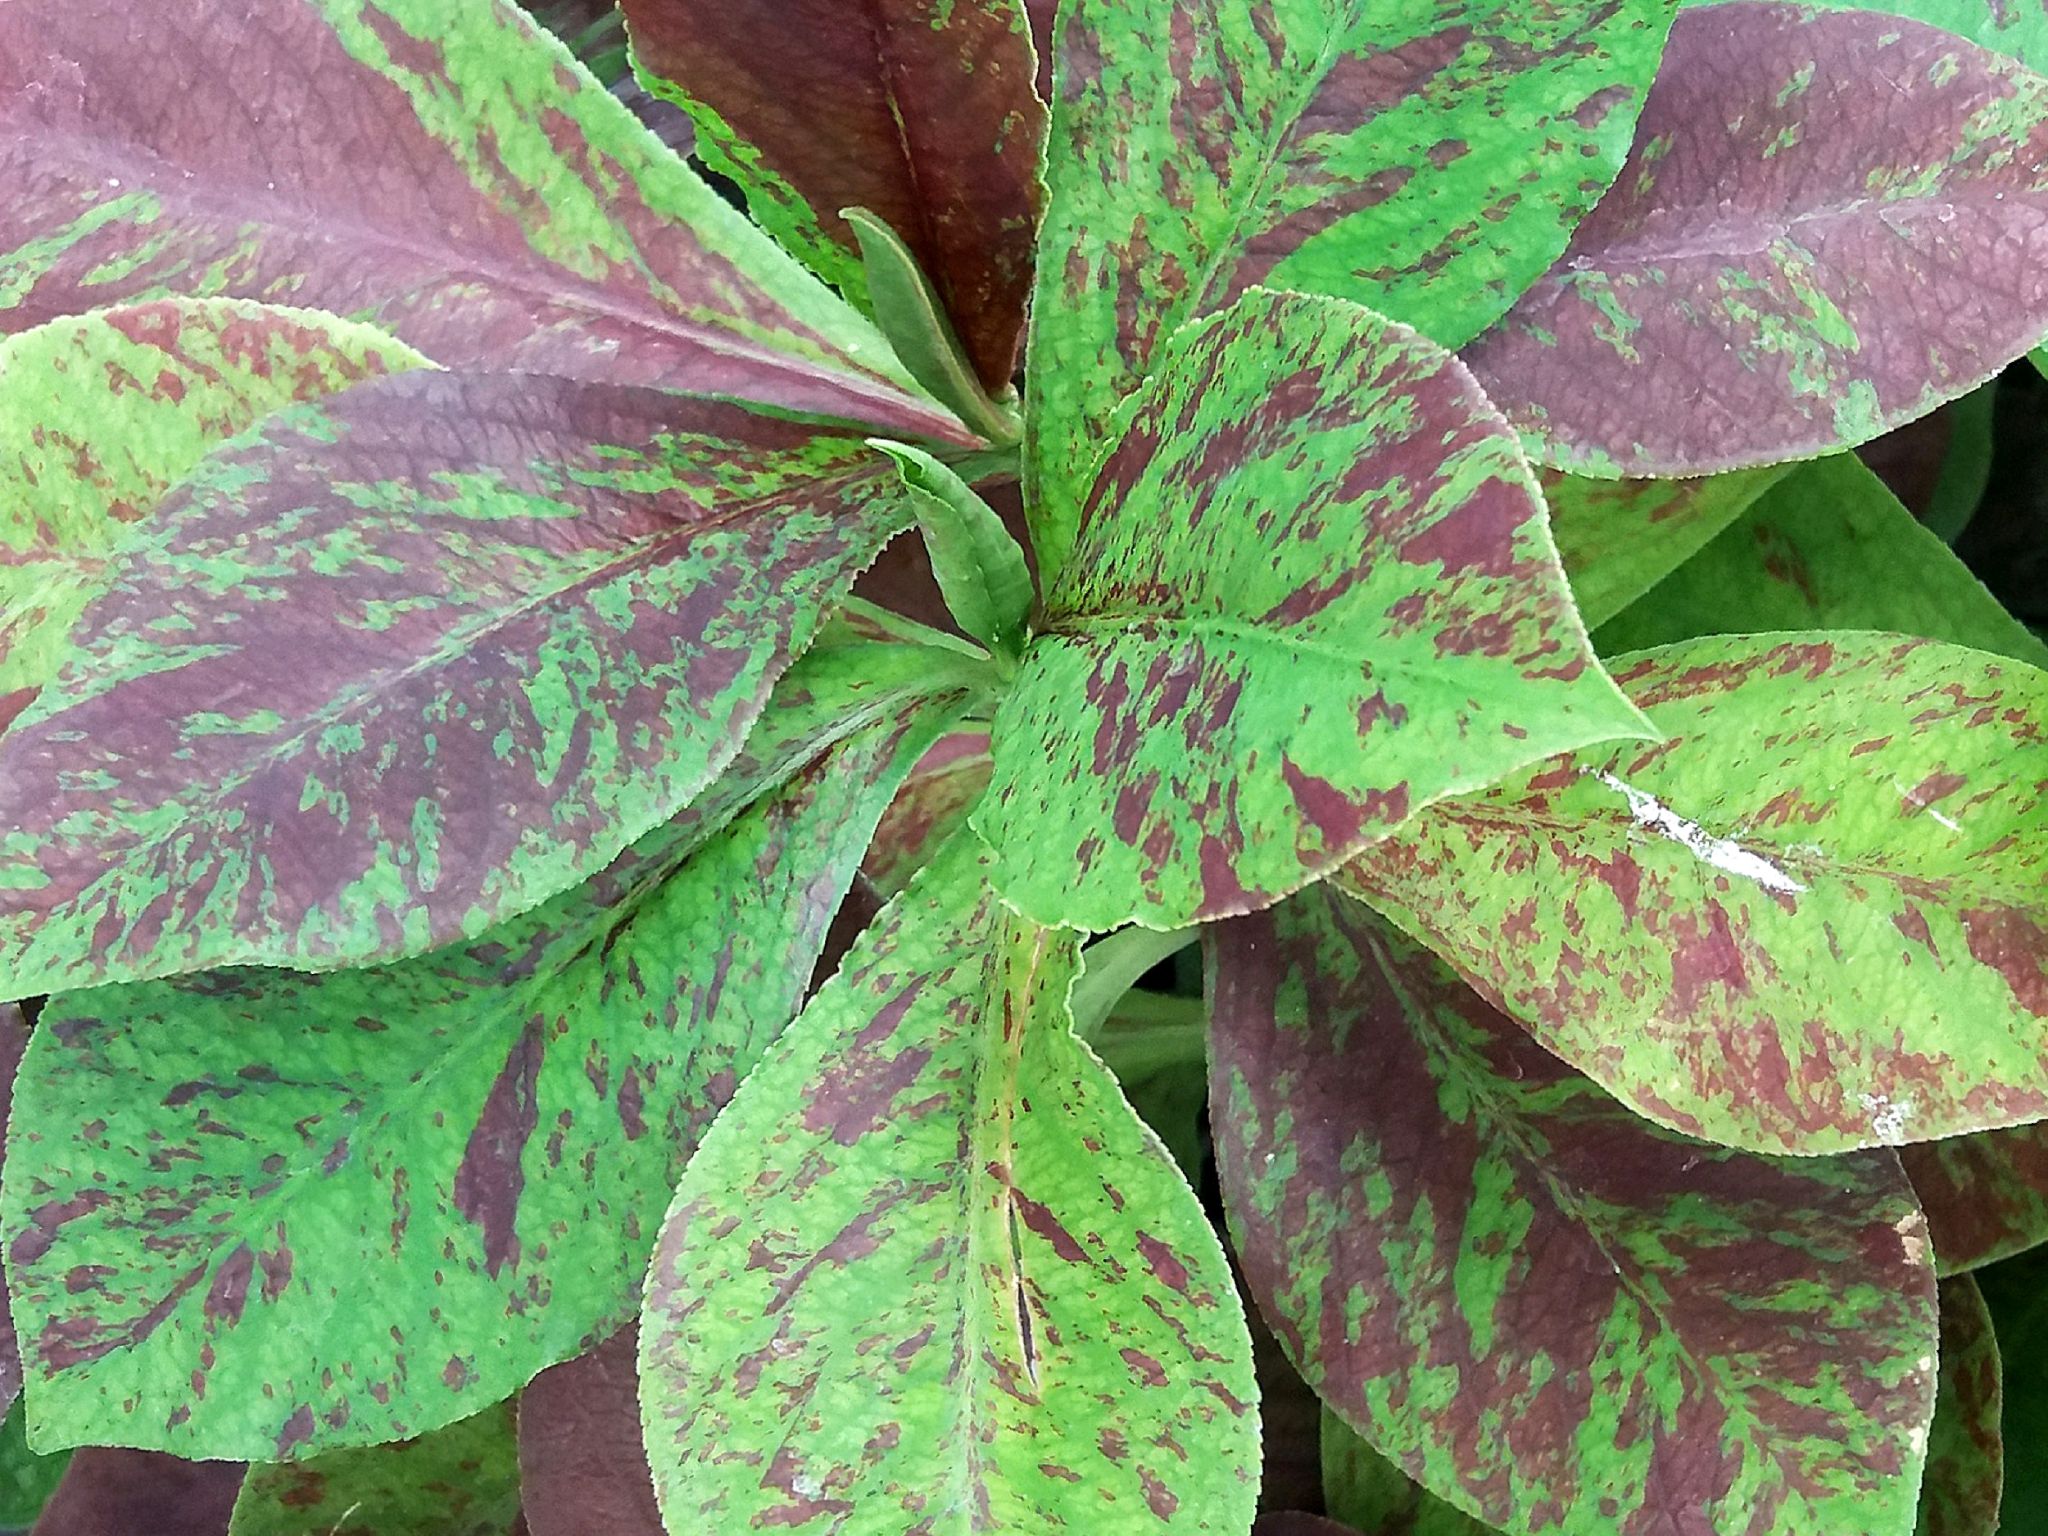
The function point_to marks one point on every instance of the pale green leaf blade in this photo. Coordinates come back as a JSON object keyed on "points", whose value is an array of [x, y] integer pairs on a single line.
{"points": [[459, 1481], [980, 568]]}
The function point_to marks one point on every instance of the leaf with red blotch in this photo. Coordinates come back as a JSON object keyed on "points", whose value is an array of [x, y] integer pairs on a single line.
{"points": [[1549, 1312], [582, 1467], [1813, 917], [1965, 1448], [923, 112], [1314, 591], [445, 171], [459, 1481], [929, 1271], [1986, 1195], [104, 412], [933, 804], [1793, 258], [268, 1214], [410, 661]]}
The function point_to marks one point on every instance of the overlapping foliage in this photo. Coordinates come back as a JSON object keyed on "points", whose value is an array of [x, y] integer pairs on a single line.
{"points": [[505, 930]]}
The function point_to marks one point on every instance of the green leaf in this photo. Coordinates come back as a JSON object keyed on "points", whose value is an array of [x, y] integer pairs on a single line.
{"points": [[1551, 1314], [1365, 1489], [445, 171], [1827, 547], [1965, 466], [979, 567], [1619, 538], [1814, 917], [1314, 592], [107, 411], [458, 1481], [1965, 1448], [1794, 259], [929, 1271], [932, 805], [1426, 160], [410, 661], [1986, 1196], [324, 1211], [26, 1479]]}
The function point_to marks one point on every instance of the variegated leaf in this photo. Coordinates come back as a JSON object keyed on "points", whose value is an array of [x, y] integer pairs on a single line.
{"points": [[1965, 1448], [929, 1273], [1365, 1488], [458, 1481], [445, 170], [2019, 31], [1794, 258], [1986, 1195], [100, 414], [1426, 160], [1314, 592], [1550, 1313], [265, 1215], [932, 805], [1813, 917], [920, 111], [409, 662]]}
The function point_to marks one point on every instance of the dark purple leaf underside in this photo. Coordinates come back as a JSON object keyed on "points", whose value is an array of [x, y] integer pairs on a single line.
{"points": [[1547, 1310], [111, 1492], [1966, 1446], [444, 170], [1986, 1195], [13, 1040], [1830, 223], [411, 661], [582, 1469], [921, 111]]}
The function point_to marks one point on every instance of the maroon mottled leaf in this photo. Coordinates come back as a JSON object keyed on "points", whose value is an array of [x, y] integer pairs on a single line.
{"points": [[1549, 1312], [13, 1041], [1798, 253], [1966, 1447], [920, 111], [930, 808], [109, 1492], [443, 169], [582, 1468], [413, 660], [1986, 1195]]}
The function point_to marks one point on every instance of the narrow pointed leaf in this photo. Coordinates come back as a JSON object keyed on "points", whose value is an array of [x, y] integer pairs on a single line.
{"points": [[103, 413], [582, 1467], [411, 661], [1425, 160], [1986, 1195], [1314, 592], [1814, 917], [1547, 1311], [921, 111], [1619, 538], [458, 1481], [446, 171], [979, 567], [1965, 1448], [318, 1212], [1827, 547], [929, 1272], [1793, 259]]}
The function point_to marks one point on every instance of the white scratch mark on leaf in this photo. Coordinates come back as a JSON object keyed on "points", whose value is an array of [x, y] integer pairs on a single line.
{"points": [[1731, 858], [1912, 798], [1887, 1119]]}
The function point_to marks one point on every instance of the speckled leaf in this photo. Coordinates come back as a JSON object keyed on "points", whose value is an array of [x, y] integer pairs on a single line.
{"points": [[1314, 592], [1828, 547], [932, 805], [445, 170], [1795, 257], [410, 661], [458, 1481], [1618, 538], [100, 414], [1814, 917], [471, 1149], [1363, 1487], [921, 111], [1427, 160], [929, 1273], [1986, 1195], [2016, 28], [1965, 1448], [1552, 1314]]}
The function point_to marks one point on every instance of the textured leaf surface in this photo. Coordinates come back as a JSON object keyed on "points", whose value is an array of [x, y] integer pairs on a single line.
{"points": [[582, 1467], [1986, 1196], [100, 414], [1550, 1313], [1426, 160], [1814, 917], [1965, 1448], [458, 1481], [1365, 1489], [1619, 538], [409, 662], [930, 1273], [444, 170], [1827, 547], [110, 1492], [932, 805], [1314, 591], [2019, 31], [266, 1214], [1795, 257], [921, 111]]}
